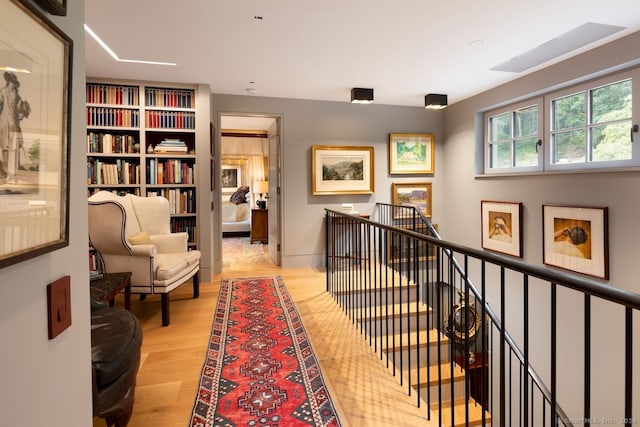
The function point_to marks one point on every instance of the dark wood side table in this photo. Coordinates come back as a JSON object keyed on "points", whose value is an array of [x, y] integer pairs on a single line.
{"points": [[109, 285], [259, 225]]}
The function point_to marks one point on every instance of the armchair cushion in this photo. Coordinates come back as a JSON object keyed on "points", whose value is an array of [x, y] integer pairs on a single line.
{"points": [[141, 238]]}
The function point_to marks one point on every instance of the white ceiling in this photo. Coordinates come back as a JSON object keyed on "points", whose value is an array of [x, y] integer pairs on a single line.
{"points": [[319, 50]]}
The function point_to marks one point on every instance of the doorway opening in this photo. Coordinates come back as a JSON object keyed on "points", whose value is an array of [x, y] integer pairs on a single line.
{"points": [[249, 189]]}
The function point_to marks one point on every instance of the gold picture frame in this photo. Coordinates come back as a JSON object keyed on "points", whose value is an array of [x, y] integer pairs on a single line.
{"points": [[417, 194], [412, 153], [341, 170]]}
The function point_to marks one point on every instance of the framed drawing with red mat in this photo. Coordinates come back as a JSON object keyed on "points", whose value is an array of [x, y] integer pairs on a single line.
{"points": [[260, 369]]}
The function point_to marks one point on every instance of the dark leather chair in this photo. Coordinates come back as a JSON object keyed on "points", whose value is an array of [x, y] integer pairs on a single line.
{"points": [[116, 339]]}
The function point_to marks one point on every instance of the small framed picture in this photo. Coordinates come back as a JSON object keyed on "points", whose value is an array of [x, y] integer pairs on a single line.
{"points": [[411, 153], [341, 170], [575, 238], [502, 227], [231, 178], [417, 194]]}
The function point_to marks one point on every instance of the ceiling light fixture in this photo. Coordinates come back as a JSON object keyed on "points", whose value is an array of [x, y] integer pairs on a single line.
{"points": [[361, 95], [113, 54], [435, 101]]}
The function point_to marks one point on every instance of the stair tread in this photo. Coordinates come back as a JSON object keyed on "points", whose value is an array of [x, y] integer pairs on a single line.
{"points": [[445, 370], [397, 310], [366, 289], [459, 409], [423, 337]]}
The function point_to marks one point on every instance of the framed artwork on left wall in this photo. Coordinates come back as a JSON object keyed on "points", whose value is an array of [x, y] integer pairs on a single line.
{"points": [[34, 134]]}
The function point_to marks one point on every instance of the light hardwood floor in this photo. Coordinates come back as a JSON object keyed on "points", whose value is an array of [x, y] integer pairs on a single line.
{"points": [[363, 390]]}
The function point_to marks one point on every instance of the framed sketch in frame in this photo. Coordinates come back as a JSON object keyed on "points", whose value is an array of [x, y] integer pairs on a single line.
{"points": [[417, 194], [502, 227], [231, 178], [576, 238], [411, 153], [54, 7], [35, 64], [341, 170]]}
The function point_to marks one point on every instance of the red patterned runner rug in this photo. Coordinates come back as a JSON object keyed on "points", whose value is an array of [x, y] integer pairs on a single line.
{"points": [[260, 369]]}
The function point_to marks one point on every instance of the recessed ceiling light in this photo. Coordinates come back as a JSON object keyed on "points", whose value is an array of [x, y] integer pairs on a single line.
{"points": [[477, 43], [115, 56]]}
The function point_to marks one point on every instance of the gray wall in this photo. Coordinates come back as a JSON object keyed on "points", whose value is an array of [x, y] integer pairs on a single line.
{"points": [[617, 190], [42, 381], [308, 123]]}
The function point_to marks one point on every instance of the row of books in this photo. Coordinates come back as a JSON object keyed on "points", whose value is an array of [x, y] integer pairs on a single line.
{"points": [[170, 145], [170, 171], [170, 119], [187, 225], [178, 98], [114, 95], [116, 117], [112, 173], [107, 143], [181, 201]]}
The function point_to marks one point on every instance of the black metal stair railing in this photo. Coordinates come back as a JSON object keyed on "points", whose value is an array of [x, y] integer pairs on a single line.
{"points": [[441, 336]]}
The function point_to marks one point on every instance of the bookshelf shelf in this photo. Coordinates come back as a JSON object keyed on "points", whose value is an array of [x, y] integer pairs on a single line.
{"points": [[142, 139]]}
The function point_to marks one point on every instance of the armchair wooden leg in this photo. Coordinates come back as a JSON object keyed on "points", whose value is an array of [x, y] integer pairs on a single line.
{"points": [[196, 285], [164, 299]]}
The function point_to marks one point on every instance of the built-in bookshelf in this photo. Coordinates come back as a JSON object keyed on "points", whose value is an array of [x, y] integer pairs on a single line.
{"points": [[141, 139]]}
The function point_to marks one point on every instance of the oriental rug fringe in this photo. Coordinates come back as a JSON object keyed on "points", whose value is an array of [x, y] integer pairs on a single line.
{"points": [[260, 369]]}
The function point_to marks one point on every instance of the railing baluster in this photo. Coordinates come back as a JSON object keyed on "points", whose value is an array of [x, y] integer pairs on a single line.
{"points": [[502, 351], [554, 349], [526, 349], [587, 360], [628, 371]]}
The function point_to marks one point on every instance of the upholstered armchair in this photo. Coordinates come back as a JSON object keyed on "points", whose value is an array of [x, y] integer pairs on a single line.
{"points": [[132, 233]]}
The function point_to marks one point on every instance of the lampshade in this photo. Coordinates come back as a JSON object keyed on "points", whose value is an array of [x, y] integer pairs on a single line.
{"points": [[261, 187], [435, 101], [11, 60], [361, 95]]}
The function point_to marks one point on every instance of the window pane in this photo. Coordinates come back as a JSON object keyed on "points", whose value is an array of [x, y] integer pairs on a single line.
{"points": [[525, 152], [501, 155], [611, 102], [570, 111], [499, 127], [611, 142], [525, 122], [569, 147]]}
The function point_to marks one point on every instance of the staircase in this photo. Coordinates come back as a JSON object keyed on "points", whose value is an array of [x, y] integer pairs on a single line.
{"points": [[401, 330], [441, 317]]}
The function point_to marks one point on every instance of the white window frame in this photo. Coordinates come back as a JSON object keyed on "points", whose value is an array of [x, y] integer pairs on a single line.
{"points": [[634, 75], [544, 128], [511, 108]]}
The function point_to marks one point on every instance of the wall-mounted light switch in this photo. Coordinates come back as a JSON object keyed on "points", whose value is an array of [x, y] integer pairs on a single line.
{"points": [[59, 306]]}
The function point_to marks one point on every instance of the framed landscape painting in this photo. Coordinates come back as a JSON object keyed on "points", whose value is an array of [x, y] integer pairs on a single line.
{"points": [[415, 194], [575, 238], [411, 153], [34, 133], [341, 170], [502, 227]]}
